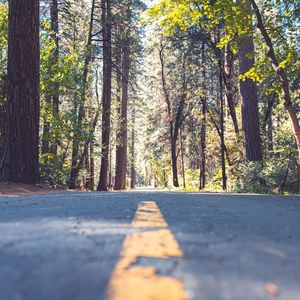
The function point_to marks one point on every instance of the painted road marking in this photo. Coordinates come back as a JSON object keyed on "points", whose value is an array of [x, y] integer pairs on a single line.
{"points": [[130, 282], [148, 214]]}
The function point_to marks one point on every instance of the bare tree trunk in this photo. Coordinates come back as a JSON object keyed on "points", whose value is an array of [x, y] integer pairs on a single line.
{"points": [[202, 161], [248, 91], [132, 169], [182, 159], [173, 139], [228, 82], [20, 161], [270, 135], [55, 88], [121, 154], [224, 177], [110, 174], [175, 120], [106, 97], [81, 111], [92, 166], [281, 74], [87, 169], [220, 135]]}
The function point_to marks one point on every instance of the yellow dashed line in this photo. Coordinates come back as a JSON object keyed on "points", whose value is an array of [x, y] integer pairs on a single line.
{"points": [[131, 282], [148, 215]]}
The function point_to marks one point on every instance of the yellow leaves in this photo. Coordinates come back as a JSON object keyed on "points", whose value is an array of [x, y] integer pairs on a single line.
{"points": [[251, 74], [283, 64], [224, 41], [3, 23]]}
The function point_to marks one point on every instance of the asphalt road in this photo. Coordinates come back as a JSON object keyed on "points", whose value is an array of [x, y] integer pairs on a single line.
{"points": [[66, 246]]}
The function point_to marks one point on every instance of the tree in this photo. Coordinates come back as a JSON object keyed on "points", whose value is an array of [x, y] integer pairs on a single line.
{"points": [[52, 96], [81, 110], [121, 152], [175, 114], [281, 74], [249, 97], [20, 161], [106, 93]]}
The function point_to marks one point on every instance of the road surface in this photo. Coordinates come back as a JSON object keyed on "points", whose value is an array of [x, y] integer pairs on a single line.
{"points": [[149, 245]]}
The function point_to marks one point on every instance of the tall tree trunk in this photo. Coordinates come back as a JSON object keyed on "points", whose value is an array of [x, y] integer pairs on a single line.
{"points": [[81, 111], [175, 120], [202, 162], [182, 159], [270, 135], [220, 135], [110, 174], [55, 88], [174, 162], [281, 74], [92, 166], [52, 97], [132, 167], [228, 82], [222, 131], [46, 127], [87, 171], [173, 138], [248, 91], [121, 153], [20, 161], [106, 96]]}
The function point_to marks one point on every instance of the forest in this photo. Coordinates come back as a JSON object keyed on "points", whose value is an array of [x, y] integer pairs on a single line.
{"points": [[182, 95]]}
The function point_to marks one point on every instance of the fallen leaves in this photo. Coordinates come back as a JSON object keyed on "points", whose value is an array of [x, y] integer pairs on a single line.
{"points": [[272, 289]]}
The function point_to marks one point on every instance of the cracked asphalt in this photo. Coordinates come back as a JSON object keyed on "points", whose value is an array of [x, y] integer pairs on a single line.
{"points": [[65, 246]]}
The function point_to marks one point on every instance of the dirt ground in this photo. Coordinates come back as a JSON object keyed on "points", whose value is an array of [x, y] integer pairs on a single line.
{"points": [[12, 189]]}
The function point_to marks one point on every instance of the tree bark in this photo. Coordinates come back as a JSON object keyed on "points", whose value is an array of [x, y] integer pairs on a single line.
{"points": [[281, 74], [202, 161], [222, 131], [92, 167], [55, 88], [20, 162], [81, 111], [106, 96], [121, 153], [175, 120], [228, 82], [132, 168], [219, 134], [182, 159], [248, 91]]}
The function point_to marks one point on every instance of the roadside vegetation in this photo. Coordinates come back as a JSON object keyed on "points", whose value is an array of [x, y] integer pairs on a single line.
{"points": [[183, 95]]}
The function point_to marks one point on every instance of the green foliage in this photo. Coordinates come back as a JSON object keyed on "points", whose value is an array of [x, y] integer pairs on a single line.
{"points": [[3, 71], [54, 170], [279, 175], [250, 178], [3, 24]]}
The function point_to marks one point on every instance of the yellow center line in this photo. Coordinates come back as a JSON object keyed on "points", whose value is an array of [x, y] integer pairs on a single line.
{"points": [[148, 215], [130, 282]]}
